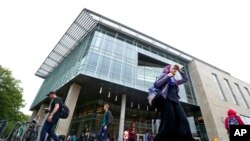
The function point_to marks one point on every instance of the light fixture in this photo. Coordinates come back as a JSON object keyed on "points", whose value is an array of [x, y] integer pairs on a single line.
{"points": [[131, 105], [109, 95], [138, 106], [116, 98], [100, 91]]}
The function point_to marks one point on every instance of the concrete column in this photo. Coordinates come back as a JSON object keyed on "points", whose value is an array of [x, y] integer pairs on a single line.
{"points": [[71, 99], [41, 117], [122, 118], [41, 114], [34, 114]]}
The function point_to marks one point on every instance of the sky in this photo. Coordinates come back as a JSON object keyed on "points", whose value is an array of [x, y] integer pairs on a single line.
{"points": [[215, 31]]}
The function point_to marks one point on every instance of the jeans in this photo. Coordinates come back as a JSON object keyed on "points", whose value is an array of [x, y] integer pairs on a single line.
{"points": [[102, 134], [48, 128]]}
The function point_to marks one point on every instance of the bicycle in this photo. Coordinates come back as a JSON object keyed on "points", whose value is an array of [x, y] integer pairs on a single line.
{"points": [[32, 132], [3, 124]]}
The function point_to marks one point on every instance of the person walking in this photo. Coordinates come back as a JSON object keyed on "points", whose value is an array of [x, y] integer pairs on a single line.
{"points": [[103, 133], [232, 119], [132, 133], [86, 135], [52, 119], [125, 135], [174, 125], [150, 138], [146, 135], [73, 138]]}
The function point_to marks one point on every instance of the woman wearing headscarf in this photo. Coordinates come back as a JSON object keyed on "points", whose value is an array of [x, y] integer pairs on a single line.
{"points": [[174, 125]]}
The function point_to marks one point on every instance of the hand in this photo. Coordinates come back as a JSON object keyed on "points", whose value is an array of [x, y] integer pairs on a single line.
{"points": [[47, 110], [105, 127], [170, 74], [50, 118]]}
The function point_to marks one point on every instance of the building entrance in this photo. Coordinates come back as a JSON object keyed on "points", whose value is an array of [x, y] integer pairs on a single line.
{"points": [[139, 116], [90, 115]]}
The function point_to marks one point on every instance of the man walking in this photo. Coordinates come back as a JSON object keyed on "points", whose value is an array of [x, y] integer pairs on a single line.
{"points": [[106, 122], [52, 119]]}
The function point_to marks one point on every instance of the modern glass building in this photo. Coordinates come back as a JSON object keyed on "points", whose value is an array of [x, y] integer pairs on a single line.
{"points": [[99, 60]]}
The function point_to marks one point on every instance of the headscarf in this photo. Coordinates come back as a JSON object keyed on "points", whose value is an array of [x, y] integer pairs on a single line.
{"points": [[231, 112], [166, 69]]}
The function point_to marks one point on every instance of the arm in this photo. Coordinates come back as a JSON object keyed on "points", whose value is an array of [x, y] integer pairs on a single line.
{"points": [[226, 123], [109, 121], [162, 79], [183, 80], [54, 110]]}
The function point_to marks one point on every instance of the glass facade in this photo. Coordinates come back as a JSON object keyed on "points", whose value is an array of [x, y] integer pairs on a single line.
{"points": [[116, 58], [65, 71], [218, 86], [109, 55], [229, 88]]}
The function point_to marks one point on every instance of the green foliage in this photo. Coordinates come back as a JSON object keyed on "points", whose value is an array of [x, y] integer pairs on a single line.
{"points": [[10, 99]]}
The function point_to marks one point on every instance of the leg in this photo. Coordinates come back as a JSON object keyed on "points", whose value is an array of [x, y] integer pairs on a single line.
{"points": [[167, 129], [44, 130], [184, 131], [99, 134], [51, 131], [105, 134]]}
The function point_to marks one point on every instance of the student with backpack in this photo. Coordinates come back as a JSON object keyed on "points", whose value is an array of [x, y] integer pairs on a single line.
{"points": [[52, 119], [174, 125], [107, 119], [232, 119]]}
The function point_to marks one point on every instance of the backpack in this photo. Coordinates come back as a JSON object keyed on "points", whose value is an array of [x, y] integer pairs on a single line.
{"points": [[110, 118], [64, 111], [232, 121], [155, 99]]}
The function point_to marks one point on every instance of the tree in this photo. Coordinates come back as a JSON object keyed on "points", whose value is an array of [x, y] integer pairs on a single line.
{"points": [[11, 99]]}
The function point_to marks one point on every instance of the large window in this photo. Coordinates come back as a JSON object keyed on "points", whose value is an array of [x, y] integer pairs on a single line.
{"points": [[104, 68], [93, 62], [240, 92], [128, 73], [229, 88], [108, 45], [119, 50], [130, 54], [218, 86], [116, 68], [247, 91]]}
